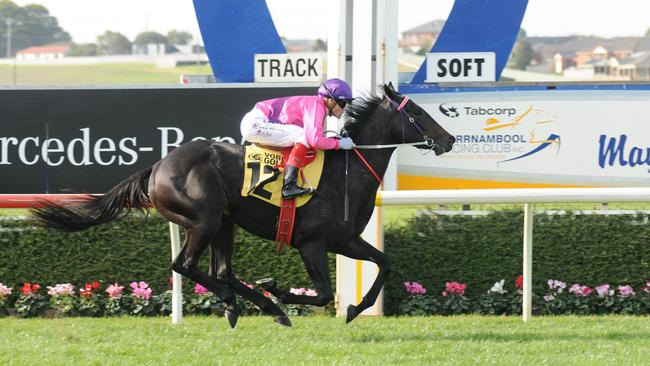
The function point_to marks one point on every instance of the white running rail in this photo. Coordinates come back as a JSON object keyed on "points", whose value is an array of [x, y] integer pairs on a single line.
{"points": [[525, 196]]}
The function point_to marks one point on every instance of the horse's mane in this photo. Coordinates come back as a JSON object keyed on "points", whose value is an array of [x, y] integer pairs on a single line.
{"points": [[358, 112]]}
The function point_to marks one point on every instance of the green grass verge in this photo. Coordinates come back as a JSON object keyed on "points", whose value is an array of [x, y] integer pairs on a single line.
{"points": [[97, 74], [319, 340]]}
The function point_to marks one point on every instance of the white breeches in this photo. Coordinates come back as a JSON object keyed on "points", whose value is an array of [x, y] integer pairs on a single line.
{"points": [[256, 128]]}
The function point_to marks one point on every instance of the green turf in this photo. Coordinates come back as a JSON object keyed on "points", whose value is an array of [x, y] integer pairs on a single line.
{"points": [[465, 340], [97, 74]]}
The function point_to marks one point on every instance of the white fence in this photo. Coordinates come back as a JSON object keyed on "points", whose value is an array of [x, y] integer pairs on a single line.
{"points": [[525, 196]]}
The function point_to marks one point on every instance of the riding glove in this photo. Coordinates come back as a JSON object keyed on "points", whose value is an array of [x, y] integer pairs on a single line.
{"points": [[346, 143]]}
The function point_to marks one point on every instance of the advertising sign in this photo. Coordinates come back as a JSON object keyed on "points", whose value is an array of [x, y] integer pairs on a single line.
{"points": [[86, 140], [534, 139]]}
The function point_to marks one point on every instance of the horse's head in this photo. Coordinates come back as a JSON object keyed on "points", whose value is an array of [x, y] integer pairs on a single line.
{"points": [[410, 123]]}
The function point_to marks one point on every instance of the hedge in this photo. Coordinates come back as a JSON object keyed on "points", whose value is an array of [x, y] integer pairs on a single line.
{"points": [[481, 250], [133, 249], [477, 250]]}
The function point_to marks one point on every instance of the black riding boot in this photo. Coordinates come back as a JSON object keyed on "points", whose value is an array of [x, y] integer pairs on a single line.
{"points": [[290, 188]]}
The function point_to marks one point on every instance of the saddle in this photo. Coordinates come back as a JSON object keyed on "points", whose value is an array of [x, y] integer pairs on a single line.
{"points": [[263, 178]]}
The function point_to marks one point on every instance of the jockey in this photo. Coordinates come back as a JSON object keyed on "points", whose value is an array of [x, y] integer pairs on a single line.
{"points": [[298, 121]]}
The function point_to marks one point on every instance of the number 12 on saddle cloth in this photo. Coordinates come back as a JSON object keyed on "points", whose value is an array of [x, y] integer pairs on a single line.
{"points": [[263, 178]]}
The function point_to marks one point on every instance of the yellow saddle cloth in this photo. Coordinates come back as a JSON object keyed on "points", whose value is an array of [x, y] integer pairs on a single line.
{"points": [[263, 180]]}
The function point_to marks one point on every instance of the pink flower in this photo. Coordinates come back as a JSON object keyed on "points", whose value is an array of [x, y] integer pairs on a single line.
{"points": [[4, 290], [578, 290], [625, 291], [602, 290], [141, 290], [114, 290], [60, 289], [415, 288], [198, 289], [454, 287]]}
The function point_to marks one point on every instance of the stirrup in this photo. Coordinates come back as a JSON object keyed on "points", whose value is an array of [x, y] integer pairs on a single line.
{"points": [[295, 191]]}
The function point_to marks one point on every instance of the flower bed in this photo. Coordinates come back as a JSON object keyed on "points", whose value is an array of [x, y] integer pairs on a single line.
{"points": [[559, 299], [137, 299]]}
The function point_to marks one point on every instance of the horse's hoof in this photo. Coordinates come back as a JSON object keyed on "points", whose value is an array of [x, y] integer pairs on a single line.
{"points": [[352, 313], [232, 316], [283, 320], [268, 284]]}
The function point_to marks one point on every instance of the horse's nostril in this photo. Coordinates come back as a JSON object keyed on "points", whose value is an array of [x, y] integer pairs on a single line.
{"points": [[452, 139]]}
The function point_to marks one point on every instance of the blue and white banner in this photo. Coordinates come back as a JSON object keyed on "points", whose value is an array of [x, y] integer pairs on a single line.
{"points": [[534, 138]]}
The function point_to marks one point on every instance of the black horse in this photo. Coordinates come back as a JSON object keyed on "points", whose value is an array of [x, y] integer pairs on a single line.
{"points": [[198, 185]]}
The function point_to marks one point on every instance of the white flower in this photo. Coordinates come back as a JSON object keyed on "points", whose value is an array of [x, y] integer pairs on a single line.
{"points": [[549, 297], [498, 287]]}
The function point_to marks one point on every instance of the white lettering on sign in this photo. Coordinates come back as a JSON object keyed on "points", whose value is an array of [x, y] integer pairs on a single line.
{"points": [[89, 149], [461, 67], [283, 67]]}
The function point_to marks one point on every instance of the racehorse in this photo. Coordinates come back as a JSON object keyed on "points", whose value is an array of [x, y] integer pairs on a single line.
{"points": [[198, 185]]}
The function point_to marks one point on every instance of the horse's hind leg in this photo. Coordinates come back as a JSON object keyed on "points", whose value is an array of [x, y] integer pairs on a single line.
{"points": [[221, 247], [197, 239]]}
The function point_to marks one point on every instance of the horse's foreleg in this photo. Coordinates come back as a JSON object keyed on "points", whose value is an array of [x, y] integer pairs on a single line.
{"points": [[358, 248], [314, 255], [221, 247]]}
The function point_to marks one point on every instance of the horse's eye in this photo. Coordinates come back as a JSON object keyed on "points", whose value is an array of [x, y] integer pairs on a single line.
{"points": [[417, 112]]}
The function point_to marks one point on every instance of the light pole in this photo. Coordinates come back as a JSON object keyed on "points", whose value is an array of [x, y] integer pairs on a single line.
{"points": [[10, 23]]}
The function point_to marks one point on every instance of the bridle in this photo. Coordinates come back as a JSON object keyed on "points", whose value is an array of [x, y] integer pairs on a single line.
{"points": [[404, 115], [426, 140]]}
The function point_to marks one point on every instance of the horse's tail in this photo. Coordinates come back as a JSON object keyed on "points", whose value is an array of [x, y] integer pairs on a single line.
{"points": [[116, 203]]}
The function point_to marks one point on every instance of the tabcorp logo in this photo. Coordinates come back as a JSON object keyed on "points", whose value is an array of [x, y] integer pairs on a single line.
{"points": [[448, 110]]}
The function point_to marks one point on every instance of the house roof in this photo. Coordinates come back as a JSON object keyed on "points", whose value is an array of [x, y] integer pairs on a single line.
{"points": [[566, 46], [434, 26], [639, 59], [44, 49]]}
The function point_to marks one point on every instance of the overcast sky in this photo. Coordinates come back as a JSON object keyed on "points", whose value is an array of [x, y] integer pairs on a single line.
{"points": [[86, 19]]}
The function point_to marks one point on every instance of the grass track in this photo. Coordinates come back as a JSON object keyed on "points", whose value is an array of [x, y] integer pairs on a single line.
{"points": [[319, 340]]}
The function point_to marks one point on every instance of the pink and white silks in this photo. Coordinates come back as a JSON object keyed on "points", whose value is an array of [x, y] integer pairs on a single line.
{"points": [[283, 122]]}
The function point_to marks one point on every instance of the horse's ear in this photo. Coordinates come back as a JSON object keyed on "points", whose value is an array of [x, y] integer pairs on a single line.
{"points": [[389, 90]]}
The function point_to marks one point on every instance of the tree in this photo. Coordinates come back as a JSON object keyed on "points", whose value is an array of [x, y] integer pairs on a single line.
{"points": [[31, 25], [647, 33], [179, 37], [146, 38], [83, 49], [522, 53], [113, 43]]}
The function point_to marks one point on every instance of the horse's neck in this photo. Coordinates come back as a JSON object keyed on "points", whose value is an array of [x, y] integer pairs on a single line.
{"points": [[377, 132]]}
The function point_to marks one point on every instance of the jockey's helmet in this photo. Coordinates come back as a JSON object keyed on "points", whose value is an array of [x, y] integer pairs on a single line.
{"points": [[336, 89]]}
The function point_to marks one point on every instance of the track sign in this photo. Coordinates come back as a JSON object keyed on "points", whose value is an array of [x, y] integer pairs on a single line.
{"points": [[283, 67], [461, 67]]}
